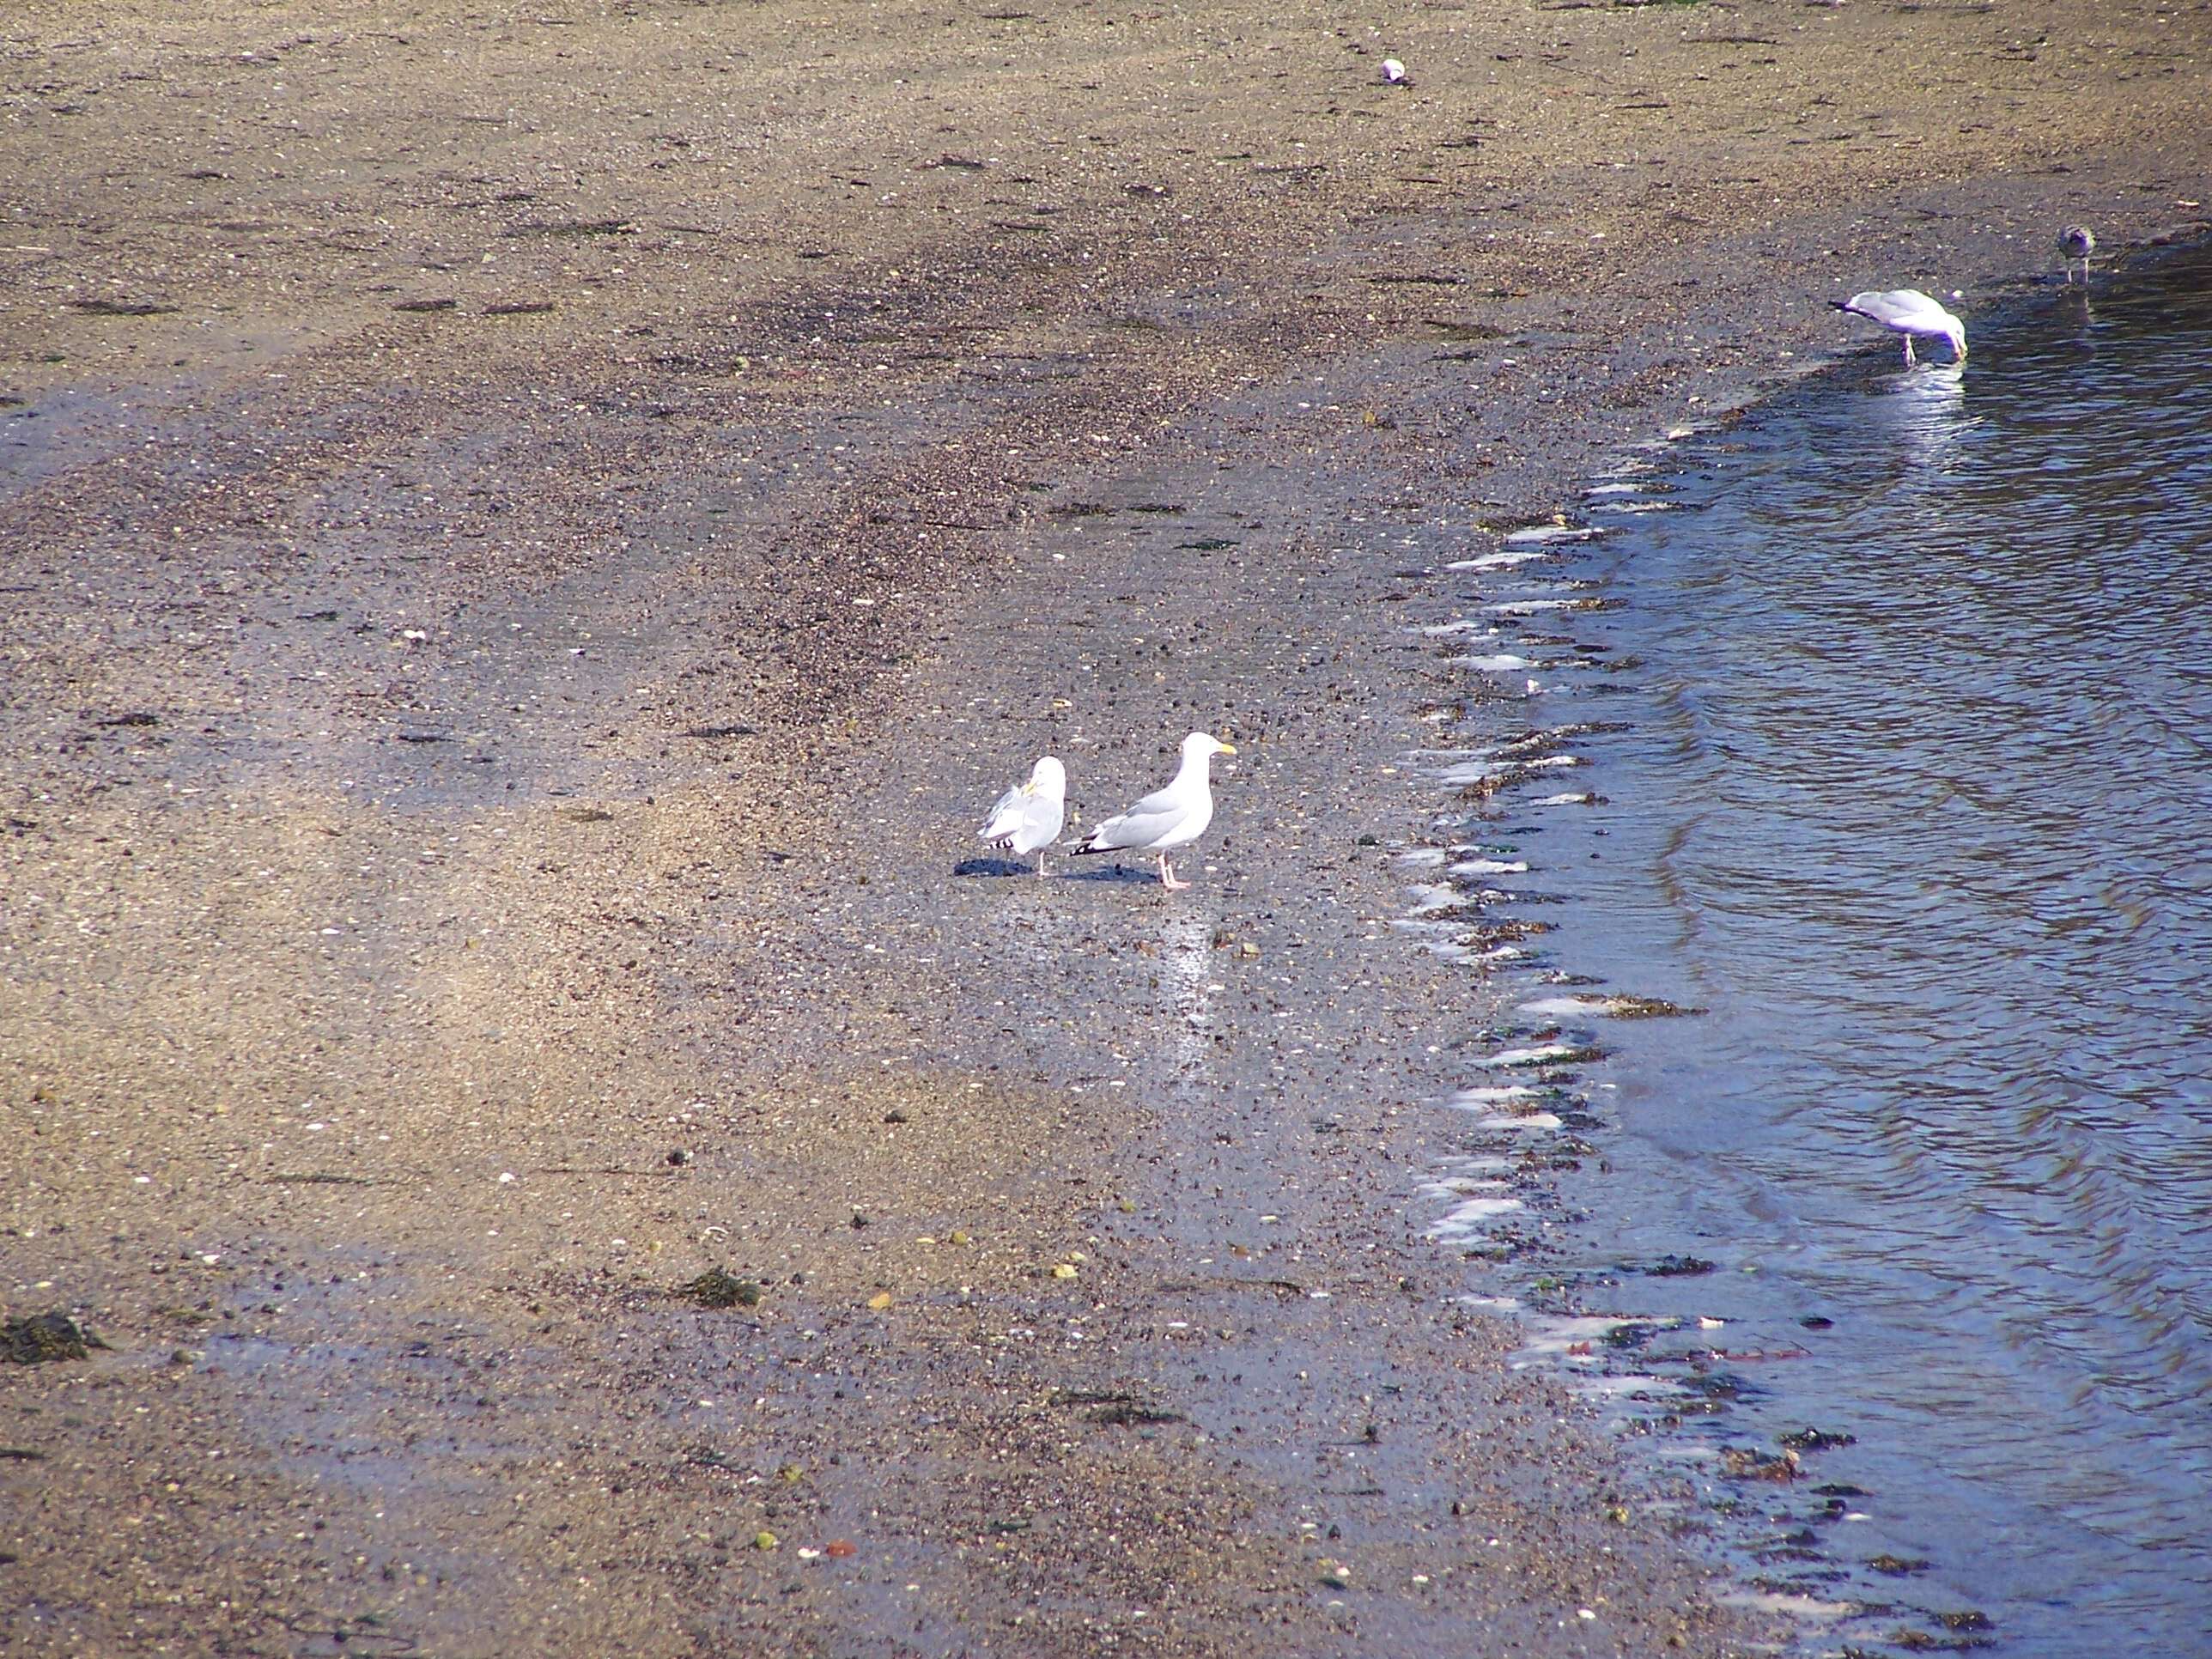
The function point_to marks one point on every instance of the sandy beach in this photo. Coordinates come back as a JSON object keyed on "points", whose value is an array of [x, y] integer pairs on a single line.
{"points": [[532, 536]]}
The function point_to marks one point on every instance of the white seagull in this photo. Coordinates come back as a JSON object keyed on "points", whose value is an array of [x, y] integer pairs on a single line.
{"points": [[1027, 818], [1167, 818], [2077, 242], [1908, 312]]}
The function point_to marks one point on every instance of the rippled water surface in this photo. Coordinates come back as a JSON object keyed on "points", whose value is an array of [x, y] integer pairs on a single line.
{"points": [[1899, 704]]}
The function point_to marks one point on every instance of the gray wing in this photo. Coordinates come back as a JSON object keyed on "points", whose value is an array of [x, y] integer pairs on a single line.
{"points": [[1898, 308], [1006, 816], [1144, 823]]}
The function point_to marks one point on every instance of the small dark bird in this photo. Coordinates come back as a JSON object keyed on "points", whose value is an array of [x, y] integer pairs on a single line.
{"points": [[2077, 242]]}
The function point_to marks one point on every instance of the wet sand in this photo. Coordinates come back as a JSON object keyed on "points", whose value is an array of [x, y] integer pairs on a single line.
{"points": [[532, 538]]}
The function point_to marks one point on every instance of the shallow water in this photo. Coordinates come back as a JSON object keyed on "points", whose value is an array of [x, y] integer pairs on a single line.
{"points": [[1903, 711]]}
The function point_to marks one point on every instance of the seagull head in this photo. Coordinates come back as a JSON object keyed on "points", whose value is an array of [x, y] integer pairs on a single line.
{"points": [[1048, 777], [1201, 745]]}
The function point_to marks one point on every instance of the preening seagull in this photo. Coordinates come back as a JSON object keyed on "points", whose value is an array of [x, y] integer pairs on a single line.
{"points": [[1908, 312], [1167, 818], [2077, 242], [1027, 817]]}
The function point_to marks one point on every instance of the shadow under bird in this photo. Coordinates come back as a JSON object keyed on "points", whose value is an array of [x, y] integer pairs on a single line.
{"points": [[1908, 312], [1027, 818], [1167, 818]]}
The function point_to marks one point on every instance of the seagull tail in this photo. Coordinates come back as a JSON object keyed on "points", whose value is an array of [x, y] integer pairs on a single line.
{"points": [[1093, 842]]}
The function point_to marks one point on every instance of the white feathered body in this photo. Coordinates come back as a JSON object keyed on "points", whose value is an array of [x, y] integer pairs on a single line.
{"points": [[1908, 312], [1029, 815], [1167, 818]]}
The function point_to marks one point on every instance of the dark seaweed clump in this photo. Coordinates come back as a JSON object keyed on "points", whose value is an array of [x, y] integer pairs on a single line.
{"points": [[717, 1288], [41, 1337]]}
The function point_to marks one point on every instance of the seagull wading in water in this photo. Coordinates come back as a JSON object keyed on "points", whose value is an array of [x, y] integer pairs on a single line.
{"points": [[1027, 818], [1167, 818], [1908, 312]]}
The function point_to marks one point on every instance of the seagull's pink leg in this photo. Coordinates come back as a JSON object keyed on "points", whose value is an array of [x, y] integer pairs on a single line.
{"points": [[1040, 860], [1166, 876], [1908, 347]]}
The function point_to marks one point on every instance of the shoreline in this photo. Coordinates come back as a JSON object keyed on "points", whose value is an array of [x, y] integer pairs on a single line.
{"points": [[1693, 1119], [535, 879]]}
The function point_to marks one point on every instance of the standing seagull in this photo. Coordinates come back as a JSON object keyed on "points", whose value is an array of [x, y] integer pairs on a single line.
{"points": [[1908, 312], [1167, 818], [2077, 242], [1028, 816]]}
